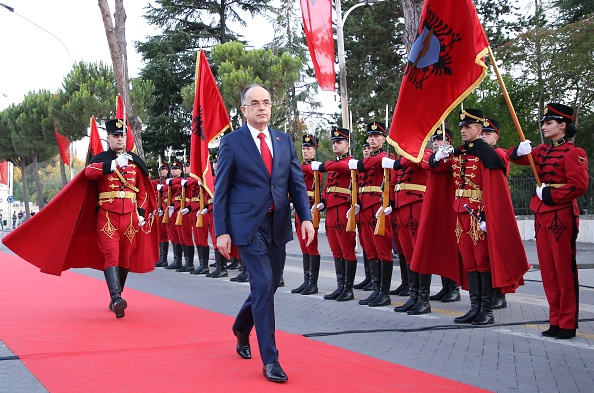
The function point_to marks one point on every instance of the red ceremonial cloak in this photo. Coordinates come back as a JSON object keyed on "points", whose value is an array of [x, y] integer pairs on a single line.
{"points": [[63, 235], [437, 250]]}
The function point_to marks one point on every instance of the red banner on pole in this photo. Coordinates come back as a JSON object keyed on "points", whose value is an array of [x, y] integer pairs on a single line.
{"points": [[95, 145], [63, 145], [445, 64], [130, 144], [4, 172], [209, 120], [317, 23]]}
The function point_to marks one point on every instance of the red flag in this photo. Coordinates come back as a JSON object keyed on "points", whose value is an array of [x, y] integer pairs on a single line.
{"points": [[4, 172], [444, 66], [317, 23], [209, 120], [130, 145], [63, 145], [95, 145]]}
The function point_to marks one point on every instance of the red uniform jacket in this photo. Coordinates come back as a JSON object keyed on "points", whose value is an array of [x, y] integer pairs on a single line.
{"points": [[338, 182], [373, 177], [408, 182]]}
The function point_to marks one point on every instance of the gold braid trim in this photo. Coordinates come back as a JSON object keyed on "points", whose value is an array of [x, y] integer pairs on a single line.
{"points": [[108, 228], [125, 182]]}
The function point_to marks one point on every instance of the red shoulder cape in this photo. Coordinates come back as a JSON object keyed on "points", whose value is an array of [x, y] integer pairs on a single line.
{"points": [[63, 235], [437, 251]]}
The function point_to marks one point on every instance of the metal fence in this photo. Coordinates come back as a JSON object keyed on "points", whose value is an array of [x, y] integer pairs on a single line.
{"points": [[523, 188]]}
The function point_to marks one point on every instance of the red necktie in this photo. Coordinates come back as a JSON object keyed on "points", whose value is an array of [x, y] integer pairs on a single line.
{"points": [[266, 155]]}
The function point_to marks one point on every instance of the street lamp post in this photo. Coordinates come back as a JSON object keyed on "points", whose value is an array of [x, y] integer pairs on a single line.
{"points": [[341, 56]]}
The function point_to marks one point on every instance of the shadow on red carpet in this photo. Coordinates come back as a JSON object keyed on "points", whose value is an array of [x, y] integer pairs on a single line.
{"points": [[62, 331]]}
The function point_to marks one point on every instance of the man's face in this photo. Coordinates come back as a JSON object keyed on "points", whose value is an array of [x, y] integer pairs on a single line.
{"points": [[471, 132], [116, 142], [257, 107], [176, 172], [437, 142], [340, 147], [163, 173], [490, 137], [376, 141], [308, 152], [366, 151], [214, 166]]}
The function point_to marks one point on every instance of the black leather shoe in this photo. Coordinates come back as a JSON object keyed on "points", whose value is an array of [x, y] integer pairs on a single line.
{"points": [[551, 331], [565, 334], [274, 372], [243, 344], [118, 305]]}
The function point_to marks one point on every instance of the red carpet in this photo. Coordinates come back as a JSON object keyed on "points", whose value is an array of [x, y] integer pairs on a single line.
{"points": [[62, 331]]}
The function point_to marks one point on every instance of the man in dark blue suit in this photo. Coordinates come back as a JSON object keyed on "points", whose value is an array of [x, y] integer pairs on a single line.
{"points": [[257, 172]]}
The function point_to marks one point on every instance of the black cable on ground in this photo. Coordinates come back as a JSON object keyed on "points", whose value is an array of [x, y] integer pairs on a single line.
{"points": [[13, 357], [436, 327]]}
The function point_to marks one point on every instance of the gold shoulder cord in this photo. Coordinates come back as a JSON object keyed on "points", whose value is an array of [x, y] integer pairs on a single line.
{"points": [[125, 182]]}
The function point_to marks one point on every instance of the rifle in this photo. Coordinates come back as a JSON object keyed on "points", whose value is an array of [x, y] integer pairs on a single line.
{"points": [[166, 211], [180, 217], [380, 225], [199, 221], [315, 212], [352, 220]]}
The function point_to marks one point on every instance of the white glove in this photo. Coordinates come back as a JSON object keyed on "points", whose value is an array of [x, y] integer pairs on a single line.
{"points": [[204, 211], [184, 182], [357, 209], [315, 165], [353, 163], [320, 206], [440, 155], [168, 181], [539, 190], [524, 148], [159, 187], [387, 211], [122, 160], [184, 211], [141, 221], [388, 163], [171, 210], [160, 212], [483, 226], [291, 206]]}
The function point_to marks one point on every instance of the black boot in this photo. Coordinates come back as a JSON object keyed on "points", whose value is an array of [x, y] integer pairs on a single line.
{"points": [[221, 270], [445, 288], [383, 298], [499, 301], [163, 250], [413, 288], [306, 269], [485, 317], [367, 278], [242, 276], [189, 257], [234, 264], [422, 306], [339, 267], [474, 290], [203, 252], [281, 281], [453, 294], [177, 257], [402, 289], [314, 271], [123, 276], [375, 273], [347, 294], [112, 277]]}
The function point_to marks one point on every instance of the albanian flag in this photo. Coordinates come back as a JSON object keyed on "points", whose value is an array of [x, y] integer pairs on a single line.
{"points": [[317, 23], [209, 120], [63, 145], [444, 66], [4, 172], [95, 145], [130, 144]]}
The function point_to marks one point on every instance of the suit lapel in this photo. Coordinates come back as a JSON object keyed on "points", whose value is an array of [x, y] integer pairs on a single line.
{"points": [[276, 147], [250, 146]]}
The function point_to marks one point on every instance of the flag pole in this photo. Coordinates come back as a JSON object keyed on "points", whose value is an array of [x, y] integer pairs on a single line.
{"points": [[512, 111]]}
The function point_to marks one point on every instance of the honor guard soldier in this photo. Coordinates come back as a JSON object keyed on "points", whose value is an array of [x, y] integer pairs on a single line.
{"points": [[378, 248], [188, 220], [174, 188], [336, 199], [408, 182], [366, 284], [563, 170], [161, 191], [120, 208], [311, 255], [481, 221], [490, 134], [450, 291]]}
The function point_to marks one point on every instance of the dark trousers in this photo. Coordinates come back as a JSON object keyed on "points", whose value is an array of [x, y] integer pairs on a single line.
{"points": [[264, 262]]}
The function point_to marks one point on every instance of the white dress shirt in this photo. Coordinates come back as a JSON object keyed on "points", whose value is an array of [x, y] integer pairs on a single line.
{"points": [[255, 133]]}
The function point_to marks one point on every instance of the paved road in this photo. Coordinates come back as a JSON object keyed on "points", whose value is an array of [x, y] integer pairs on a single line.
{"points": [[510, 356]]}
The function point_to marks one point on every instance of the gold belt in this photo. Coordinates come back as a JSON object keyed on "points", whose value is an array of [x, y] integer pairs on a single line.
{"points": [[469, 194], [117, 194], [407, 186], [340, 190], [310, 193], [370, 189], [177, 198], [196, 199], [556, 185]]}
